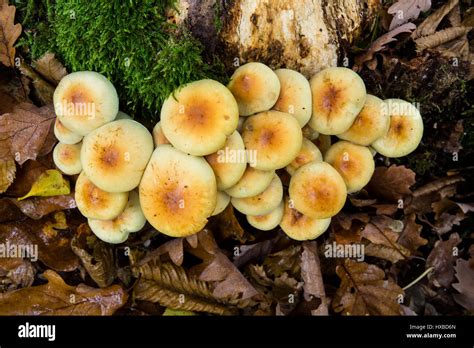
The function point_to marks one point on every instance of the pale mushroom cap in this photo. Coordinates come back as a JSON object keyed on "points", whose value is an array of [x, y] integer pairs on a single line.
{"points": [[295, 95], [178, 192], [370, 124], [67, 158], [405, 132], [309, 133], [95, 203], [199, 116], [252, 183], [84, 101], [323, 143], [301, 227], [115, 155], [223, 200], [268, 221], [354, 162], [117, 230], [262, 203], [308, 153], [255, 87], [338, 97], [274, 137], [65, 135], [123, 116], [158, 135], [230, 162], [317, 190]]}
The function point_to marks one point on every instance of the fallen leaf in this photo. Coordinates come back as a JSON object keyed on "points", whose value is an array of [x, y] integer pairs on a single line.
{"points": [[170, 312], [287, 261], [26, 175], [365, 291], [7, 173], [392, 183], [42, 89], [15, 273], [225, 225], [13, 90], [442, 258], [50, 68], [440, 37], [38, 207], [25, 131], [465, 285], [254, 252], [410, 237], [9, 33], [430, 24], [9, 211], [50, 183], [171, 286], [58, 298], [174, 248], [404, 11]]}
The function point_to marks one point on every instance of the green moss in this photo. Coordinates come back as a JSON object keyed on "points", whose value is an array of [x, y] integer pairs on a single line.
{"points": [[131, 43]]}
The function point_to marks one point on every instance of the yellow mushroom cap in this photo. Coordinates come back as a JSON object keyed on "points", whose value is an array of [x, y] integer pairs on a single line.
{"points": [[405, 131], [295, 95], [255, 87], [338, 97], [65, 135], [309, 133], [158, 135], [301, 227], [84, 101], [123, 116], [262, 203], [308, 153], [198, 117], [67, 158], [178, 192], [117, 230], [274, 137], [230, 162], [370, 124], [354, 162], [252, 183], [323, 143], [115, 155], [267, 221], [223, 200], [95, 203], [317, 190]]}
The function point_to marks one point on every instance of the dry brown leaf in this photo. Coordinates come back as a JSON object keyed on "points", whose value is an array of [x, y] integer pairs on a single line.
{"points": [[50, 68], [9, 33], [38, 207], [174, 248], [225, 226], [26, 131], [58, 298], [465, 285], [453, 143], [442, 258], [254, 252], [404, 11], [15, 273], [392, 183], [7, 173], [431, 23], [313, 286], [364, 291], [13, 90], [440, 37], [381, 43], [410, 237], [43, 90]]}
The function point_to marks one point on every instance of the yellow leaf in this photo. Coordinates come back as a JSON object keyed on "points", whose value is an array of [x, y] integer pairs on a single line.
{"points": [[7, 173], [177, 313], [50, 183]]}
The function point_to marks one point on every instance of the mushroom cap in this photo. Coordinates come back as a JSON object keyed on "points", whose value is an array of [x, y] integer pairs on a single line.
{"points": [[405, 131], [198, 117], [370, 124], [123, 116], [223, 200], [323, 142], [178, 192], [354, 162], [309, 133], [338, 97], [95, 203], [301, 227], [295, 95], [158, 135], [115, 155], [65, 135], [116, 231], [274, 137], [262, 203], [67, 157], [255, 87], [84, 101], [252, 183], [267, 221], [308, 153], [317, 190], [230, 162]]}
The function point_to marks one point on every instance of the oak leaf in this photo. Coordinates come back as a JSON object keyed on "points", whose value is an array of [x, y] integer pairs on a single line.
{"points": [[465, 285], [7, 173], [50, 68], [9, 33], [441, 258], [392, 183], [410, 237]]}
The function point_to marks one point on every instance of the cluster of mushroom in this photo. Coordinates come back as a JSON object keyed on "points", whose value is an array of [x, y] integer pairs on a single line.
{"points": [[106, 148]]}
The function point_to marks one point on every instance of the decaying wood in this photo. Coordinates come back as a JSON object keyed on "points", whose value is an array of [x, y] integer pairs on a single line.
{"points": [[306, 35]]}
